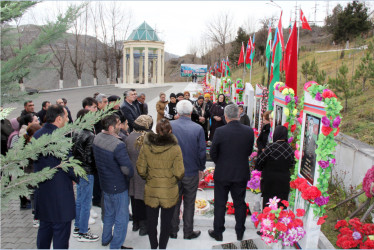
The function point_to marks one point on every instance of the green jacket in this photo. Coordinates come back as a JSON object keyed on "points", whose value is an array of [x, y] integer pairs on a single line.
{"points": [[160, 163]]}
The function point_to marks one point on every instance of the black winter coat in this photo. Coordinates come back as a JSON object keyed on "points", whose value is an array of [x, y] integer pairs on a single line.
{"points": [[82, 150], [231, 147], [262, 139]]}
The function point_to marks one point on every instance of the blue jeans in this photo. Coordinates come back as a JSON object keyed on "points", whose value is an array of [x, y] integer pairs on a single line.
{"points": [[117, 214], [83, 203]]}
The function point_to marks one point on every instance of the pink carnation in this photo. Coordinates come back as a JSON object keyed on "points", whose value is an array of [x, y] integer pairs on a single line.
{"points": [[368, 180]]}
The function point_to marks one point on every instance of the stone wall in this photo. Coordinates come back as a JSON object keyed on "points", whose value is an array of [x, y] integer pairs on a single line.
{"points": [[353, 159]]}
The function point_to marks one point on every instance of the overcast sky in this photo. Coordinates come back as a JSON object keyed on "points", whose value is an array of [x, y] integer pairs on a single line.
{"points": [[182, 23]]}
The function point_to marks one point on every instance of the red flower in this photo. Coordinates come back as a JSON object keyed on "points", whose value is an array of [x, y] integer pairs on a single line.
{"points": [[281, 227], [326, 130], [298, 222], [286, 124], [291, 214], [341, 223], [281, 88], [283, 214], [328, 94], [272, 216], [321, 220], [293, 184], [285, 203], [311, 193], [256, 223], [302, 187], [301, 113], [369, 244], [266, 210], [293, 128], [300, 212]]}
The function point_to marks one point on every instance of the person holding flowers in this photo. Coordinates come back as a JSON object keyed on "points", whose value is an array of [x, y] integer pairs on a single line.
{"points": [[275, 163]]}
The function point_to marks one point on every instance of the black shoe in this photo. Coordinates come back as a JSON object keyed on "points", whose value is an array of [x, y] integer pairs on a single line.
{"points": [[239, 236], [135, 226], [143, 228], [259, 233], [173, 235], [214, 235], [193, 235], [123, 247]]}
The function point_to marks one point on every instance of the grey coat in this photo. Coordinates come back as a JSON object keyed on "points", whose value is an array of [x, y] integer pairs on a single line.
{"points": [[137, 184]]}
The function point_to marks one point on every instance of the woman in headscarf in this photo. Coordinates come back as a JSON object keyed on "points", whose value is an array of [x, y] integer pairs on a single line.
{"points": [[161, 165], [263, 138], [275, 163], [217, 115], [14, 135], [134, 142]]}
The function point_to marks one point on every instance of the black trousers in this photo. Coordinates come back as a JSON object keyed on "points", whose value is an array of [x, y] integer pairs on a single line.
{"points": [[96, 190], [187, 190], [221, 192], [59, 232], [138, 209], [166, 217]]}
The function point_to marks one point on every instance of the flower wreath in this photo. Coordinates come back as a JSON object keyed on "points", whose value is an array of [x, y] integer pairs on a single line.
{"points": [[290, 111], [239, 91], [264, 103], [325, 143]]}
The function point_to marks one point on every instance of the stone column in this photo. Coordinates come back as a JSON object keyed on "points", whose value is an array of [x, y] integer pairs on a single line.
{"points": [[131, 66], [154, 70], [158, 66], [141, 66], [146, 66], [124, 65], [163, 66]]}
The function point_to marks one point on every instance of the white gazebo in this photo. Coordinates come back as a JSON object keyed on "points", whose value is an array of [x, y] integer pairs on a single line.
{"points": [[144, 49]]}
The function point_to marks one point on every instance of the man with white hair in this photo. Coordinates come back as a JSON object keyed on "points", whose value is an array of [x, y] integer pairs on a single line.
{"points": [[232, 145], [191, 139]]}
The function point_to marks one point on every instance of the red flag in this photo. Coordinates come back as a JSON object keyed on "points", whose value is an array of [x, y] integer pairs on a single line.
{"points": [[241, 57], [248, 53], [280, 30], [291, 60], [305, 24]]}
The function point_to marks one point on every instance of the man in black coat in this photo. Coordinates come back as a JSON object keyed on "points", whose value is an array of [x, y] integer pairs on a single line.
{"points": [[130, 111], [231, 147], [54, 198], [41, 114]]}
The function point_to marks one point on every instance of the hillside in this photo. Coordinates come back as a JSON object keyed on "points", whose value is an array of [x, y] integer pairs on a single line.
{"points": [[358, 121]]}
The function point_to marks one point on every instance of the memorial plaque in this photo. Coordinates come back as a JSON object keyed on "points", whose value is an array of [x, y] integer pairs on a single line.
{"points": [[278, 116], [308, 160], [257, 114]]}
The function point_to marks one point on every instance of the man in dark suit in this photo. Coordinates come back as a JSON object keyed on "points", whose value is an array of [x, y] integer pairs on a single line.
{"points": [[231, 147], [130, 110], [54, 198], [142, 105]]}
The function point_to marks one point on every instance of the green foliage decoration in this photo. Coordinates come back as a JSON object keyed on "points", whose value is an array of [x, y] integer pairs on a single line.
{"points": [[14, 182]]}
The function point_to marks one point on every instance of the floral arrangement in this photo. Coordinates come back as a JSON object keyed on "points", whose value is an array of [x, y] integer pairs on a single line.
{"points": [[254, 183], [239, 91], [226, 83], [264, 102], [325, 143], [290, 111], [252, 160], [368, 183], [231, 210], [309, 193], [279, 224], [354, 234]]}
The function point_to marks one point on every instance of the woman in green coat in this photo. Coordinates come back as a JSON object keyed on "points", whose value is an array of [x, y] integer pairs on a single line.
{"points": [[160, 164]]}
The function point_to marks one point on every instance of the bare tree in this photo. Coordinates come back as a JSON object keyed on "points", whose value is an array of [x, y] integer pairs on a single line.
{"points": [[94, 53], [205, 50], [220, 30], [77, 50], [120, 24], [59, 52], [105, 48], [249, 25], [193, 51]]}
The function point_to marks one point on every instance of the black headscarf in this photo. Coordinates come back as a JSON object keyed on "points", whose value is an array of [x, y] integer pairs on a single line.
{"points": [[280, 133], [223, 104]]}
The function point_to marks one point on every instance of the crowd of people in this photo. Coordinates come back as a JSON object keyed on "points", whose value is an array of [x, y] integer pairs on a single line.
{"points": [[127, 163]]}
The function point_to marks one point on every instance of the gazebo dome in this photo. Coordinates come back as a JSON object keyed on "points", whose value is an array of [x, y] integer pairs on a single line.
{"points": [[143, 33]]}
